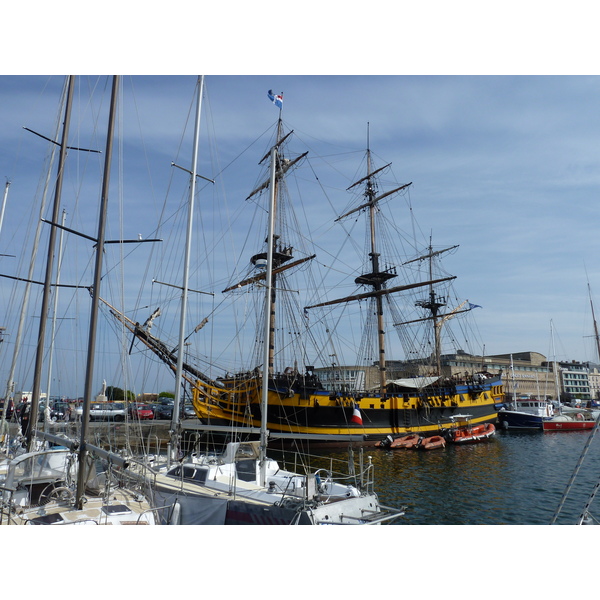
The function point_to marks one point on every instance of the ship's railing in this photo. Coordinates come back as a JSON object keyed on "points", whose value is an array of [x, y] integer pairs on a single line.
{"points": [[360, 474], [6, 504]]}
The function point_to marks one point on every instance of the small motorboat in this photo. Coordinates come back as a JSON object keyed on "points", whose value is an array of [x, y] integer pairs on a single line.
{"points": [[569, 422], [403, 442], [525, 413], [432, 443], [471, 434]]}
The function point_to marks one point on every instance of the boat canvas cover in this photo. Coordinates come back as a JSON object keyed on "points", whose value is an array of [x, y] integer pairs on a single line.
{"points": [[414, 382], [195, 510]]}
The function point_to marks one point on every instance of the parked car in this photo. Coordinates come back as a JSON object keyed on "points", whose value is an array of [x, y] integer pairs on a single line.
{"points": [[107, 411], [141, 411], [189, 412], [164, 409]]}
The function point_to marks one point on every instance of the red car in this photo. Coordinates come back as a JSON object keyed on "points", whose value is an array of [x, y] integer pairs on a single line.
{"points": [[141, 411]]}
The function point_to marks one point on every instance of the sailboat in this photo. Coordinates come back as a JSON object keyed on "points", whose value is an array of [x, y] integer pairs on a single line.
{"points": [[297, 402], [572, 419], [524, 413], [74, 491], [242, 485]]}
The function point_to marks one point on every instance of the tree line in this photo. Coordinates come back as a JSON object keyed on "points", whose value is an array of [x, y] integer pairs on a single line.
{"points": [[115, 394]]}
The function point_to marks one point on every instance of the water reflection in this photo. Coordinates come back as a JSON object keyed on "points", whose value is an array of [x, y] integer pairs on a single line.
{"points": [[515, 478]]}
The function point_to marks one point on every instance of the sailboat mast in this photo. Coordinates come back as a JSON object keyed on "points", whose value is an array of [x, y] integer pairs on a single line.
{"points": [[87, 395], [10, 384], [53, 332], [37, 374], [267, 350], [4, 199], [556, 386], [595, 323], [186, 268]]}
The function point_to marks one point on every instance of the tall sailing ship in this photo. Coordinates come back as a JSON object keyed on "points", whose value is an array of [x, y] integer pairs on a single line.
{"points": [[420, 400]]}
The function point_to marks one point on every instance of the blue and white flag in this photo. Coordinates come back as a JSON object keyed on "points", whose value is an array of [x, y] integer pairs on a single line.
{"points": [[472, 306], [276, 99]]}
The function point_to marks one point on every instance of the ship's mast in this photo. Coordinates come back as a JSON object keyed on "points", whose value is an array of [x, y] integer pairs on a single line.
{"points": [[377, 280], [272, 240], [279, 167], [433, 304]]}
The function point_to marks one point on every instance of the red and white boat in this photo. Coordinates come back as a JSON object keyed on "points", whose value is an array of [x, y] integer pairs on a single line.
{"points": [[569, 422], [471, 434]]}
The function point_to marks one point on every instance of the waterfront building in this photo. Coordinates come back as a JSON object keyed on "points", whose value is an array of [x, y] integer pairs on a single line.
{"points": [[348, 378], [523, 373], [575, 380], [594, 378]]}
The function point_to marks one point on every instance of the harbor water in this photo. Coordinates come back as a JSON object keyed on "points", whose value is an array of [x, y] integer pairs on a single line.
{"points": [[515, 478]]}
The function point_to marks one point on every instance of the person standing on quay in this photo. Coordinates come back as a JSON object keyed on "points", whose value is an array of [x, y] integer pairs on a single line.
{"points": [[25, 418]]}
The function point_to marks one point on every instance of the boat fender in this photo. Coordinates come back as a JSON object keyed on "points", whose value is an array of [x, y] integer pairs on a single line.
{"points": [[175, 514]]}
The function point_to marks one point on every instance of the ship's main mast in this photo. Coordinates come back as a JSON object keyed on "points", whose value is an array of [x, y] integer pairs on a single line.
{"points": [[376, 278]]}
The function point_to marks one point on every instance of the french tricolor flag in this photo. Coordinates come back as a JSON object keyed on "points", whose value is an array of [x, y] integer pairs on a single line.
{"points": [[276, 99], [356, 418]]}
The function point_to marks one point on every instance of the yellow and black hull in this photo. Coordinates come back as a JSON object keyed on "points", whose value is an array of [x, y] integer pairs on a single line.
{"points": [[319, 412]]}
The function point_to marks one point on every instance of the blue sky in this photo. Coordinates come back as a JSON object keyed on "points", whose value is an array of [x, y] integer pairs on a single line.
{"points": [[499, 139], [505, 166], [510, 161]]}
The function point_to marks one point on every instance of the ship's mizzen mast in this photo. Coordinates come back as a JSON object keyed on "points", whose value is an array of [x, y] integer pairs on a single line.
{"points": [[433, 304]]}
